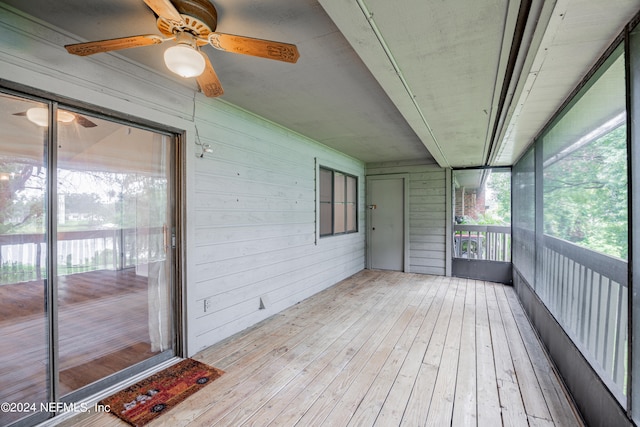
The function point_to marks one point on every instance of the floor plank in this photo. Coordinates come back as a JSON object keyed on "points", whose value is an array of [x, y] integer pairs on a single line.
{"points": [[465, 404], [394, 406], [292, 408], [532, 396], [441, 408], [382, 348], [339, 399], [553, 390], [488, 405], [513, 412], [420, 399]]}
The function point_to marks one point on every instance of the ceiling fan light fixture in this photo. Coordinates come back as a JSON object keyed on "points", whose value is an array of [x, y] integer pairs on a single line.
{"points": [[65, 116], [184, 60], [40, 116]]}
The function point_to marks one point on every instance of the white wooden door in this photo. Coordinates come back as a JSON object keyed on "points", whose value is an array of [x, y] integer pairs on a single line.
{"points": [[386, 223]]}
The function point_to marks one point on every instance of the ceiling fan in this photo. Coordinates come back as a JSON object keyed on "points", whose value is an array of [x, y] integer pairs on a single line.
{"points": [[192, 24], [40, 116]]}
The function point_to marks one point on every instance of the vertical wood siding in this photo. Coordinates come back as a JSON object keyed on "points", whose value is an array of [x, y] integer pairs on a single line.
{"points": [[427, 214], [250, 204]]}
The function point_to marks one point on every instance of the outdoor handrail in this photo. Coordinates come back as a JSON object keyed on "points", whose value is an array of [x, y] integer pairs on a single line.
{"points": [[503, 229], [613, 268], [22, 257], [489, 242], [17, 239], [587, 292]]}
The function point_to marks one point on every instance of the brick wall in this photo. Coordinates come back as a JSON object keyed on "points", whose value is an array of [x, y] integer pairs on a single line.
{"points": [[469, 202]]}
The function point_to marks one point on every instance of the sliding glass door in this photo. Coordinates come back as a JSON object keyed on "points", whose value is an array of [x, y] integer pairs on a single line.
{"points": [[91, 207], [113, 260], [24, 321]]}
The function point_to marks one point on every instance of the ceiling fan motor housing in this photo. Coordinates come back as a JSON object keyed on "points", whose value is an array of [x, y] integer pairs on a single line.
{"points": [[200, 18]]}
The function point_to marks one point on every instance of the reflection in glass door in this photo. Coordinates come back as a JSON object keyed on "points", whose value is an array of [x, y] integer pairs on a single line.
{"points": [[24, 351], [86, 264], [113, 261]]}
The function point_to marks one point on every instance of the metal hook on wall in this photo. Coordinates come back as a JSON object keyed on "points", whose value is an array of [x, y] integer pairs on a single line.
{"points": [[205, 148]]}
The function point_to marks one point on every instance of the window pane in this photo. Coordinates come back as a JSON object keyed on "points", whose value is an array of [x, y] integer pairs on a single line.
{"points": [[351, 203], [634, 84], [524, 210], [585, 169], [338, 202], [326, 202], [326, 177], [114, 281], [325, 219], [583, 259], [339, 218], [339, 195], [482, 198], [351, 217], [351, 189], [23, 254]]}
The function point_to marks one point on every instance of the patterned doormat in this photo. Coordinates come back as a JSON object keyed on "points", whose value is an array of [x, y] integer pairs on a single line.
{"points": [[155, 395]]}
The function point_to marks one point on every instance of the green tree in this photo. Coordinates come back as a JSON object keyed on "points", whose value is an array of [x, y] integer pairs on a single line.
{"points": [[585, 195], [500, 205], [21, 197]]}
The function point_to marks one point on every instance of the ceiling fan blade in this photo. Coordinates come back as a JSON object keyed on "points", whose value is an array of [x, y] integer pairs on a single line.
{"points": [[84, 122], [89, 48], [255, 47], [165, 9], [208, 80]]}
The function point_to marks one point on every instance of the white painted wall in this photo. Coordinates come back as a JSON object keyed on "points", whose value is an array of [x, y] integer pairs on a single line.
{"points": [[250, 205], [253, 215], [427, 213]]}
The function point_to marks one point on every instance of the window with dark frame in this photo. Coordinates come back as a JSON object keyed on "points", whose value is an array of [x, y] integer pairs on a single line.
{"points": [[338, 202]]}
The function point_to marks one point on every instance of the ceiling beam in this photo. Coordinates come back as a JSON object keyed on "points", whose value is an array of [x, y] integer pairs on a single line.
{"points": [[510, 72], [356, 22]]}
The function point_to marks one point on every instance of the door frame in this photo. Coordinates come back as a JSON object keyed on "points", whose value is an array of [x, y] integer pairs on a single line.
{"points": [[176, 238], [405, 208]]}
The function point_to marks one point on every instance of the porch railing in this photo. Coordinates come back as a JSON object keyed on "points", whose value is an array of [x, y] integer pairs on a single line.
{"points": [[484, 242], [23, 256], [588, 294], [585, 290]]}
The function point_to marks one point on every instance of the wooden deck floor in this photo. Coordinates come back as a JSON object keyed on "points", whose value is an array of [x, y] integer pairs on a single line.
{"points": [[383, 349], [102, 329]]}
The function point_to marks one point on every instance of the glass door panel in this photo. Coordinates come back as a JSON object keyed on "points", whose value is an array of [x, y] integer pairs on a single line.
{"points": [[482, 224], [24, 350], [113, 260]]}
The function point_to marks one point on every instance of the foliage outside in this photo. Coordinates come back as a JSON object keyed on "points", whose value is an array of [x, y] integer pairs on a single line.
{"points": [[499, 204], [497, 201], [585, 196], [88, 201]]}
